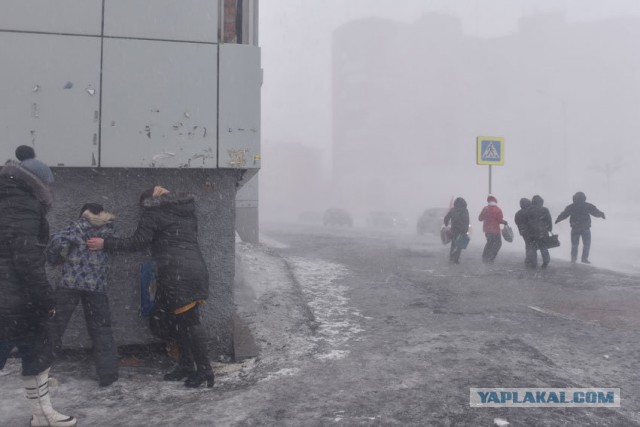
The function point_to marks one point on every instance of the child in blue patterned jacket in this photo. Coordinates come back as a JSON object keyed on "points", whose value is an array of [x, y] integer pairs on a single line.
{"points": [[84, 279]]}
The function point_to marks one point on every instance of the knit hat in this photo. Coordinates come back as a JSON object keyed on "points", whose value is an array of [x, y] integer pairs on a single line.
{"points": [[39, 169], [24, 152], [492, 199], [94, 208]]}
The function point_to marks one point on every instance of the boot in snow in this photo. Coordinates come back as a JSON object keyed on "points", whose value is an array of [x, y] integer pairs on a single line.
{"points": [[37, 393]]}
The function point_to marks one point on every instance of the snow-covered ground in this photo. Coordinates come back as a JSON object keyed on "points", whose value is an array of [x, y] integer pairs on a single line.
{"points": [[297, 311]]}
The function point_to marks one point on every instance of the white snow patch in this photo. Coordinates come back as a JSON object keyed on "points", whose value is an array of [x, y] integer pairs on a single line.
{"points": [[285, 372], [500, 422], [333, 355], [337, 320], [261, 272], [267, 241]]}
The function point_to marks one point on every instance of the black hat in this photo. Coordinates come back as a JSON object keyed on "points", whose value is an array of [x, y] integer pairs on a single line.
{"points": [[94, 208], [25, 152]]}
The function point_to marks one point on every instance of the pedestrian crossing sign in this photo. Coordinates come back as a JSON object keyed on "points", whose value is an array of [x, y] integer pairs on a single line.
{"points": [[490, 150]]}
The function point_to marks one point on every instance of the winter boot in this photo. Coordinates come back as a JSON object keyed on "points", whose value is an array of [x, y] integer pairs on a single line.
{"points": [[37, 393]]}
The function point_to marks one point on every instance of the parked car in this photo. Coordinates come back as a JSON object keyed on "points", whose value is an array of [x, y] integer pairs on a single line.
{"points": [[431, 221], [337, 216], [386, 219]]}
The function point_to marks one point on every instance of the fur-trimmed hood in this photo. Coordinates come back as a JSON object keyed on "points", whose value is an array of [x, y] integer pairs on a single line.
{"points": [[98, 220], [168, 199], [40, 190]]}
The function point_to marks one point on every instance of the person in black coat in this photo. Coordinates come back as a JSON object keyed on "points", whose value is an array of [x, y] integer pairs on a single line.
{"points": [[539, 225], [579, 213], [458, 215], [523, 229], [169, 226], [26, 298]]}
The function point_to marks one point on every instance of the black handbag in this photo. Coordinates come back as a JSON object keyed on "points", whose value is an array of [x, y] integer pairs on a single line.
{"points": [[548, 242]]}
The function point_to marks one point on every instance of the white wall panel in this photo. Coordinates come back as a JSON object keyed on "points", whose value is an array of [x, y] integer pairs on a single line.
{"points": [[240, 82], [50, 97], [192, 20], [59, 16], [159, 104]]}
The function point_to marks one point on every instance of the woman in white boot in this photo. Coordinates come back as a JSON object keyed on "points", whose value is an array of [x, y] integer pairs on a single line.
{"points": [[27, 302]]}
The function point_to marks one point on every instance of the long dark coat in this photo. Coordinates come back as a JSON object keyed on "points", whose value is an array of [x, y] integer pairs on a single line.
{"points": [[26, 297], [459, 217], [169, 226]]}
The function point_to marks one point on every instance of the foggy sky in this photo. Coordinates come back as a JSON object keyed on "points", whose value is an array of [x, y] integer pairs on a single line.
{"points": [[295, 36], [296, 39]]}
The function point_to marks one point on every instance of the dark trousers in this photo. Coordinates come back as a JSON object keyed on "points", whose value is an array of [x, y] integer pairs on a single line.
{"points": [[454, 252], [491, 248], [185, 329], [97, 316], [34, 348], [531, 257], [586, 244], [531, 254]]}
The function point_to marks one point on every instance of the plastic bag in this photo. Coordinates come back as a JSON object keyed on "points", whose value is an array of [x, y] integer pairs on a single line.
{"points": [[462, 241], [507, 233], [147, 288], [445, 235]]}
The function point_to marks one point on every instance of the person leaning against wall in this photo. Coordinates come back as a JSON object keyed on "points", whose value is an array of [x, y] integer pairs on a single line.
{"points": [[168, 225]]}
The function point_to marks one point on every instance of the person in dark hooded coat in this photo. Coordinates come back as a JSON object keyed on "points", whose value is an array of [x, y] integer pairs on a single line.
{"points": [[458, 215], [523, 228], [169, 226], [539, 225], [27, 302], [579, 213]]}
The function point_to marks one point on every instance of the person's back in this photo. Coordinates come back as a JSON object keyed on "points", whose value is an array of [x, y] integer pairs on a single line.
{"points": [[492, 217], [458, 216], [580, 212], [539, 222], [169, 226], [24, 228], [26, 297], [521, 217]]}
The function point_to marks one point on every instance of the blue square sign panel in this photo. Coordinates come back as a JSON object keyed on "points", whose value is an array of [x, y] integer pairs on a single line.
{"points": [[490, 150]]}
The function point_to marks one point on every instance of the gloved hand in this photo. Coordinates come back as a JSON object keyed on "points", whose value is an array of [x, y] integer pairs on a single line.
{"points": [[603, 217]]}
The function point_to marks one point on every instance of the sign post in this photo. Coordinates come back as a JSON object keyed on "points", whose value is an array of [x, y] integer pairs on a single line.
{"points": [[490, 151]]}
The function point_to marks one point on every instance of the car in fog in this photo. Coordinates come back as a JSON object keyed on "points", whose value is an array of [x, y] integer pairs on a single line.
{"points": [[431, 221], [310, 217], [337, 216], [385, 219]]}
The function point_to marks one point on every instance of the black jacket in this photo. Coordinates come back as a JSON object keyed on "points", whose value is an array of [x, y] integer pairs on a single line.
{"points": [[169, 226], [459, 217], [521, 217], [26, 296], [579, 213], [539, 222]]}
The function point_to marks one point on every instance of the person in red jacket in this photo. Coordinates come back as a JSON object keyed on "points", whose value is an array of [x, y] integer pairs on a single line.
{"points": [[491, 216]]}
